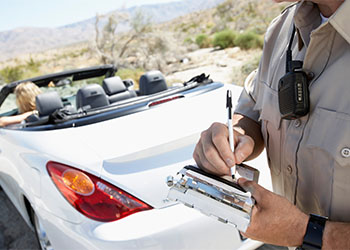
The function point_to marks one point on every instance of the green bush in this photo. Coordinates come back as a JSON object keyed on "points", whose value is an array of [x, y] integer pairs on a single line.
{"points": [[249, 40], [32, 65], [133, 74], [224, 39], [11, 74], [188, 40], [203, 41]]}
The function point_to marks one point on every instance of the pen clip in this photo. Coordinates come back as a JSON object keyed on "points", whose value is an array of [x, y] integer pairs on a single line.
{"points": [[229, 99], [229, 104]]}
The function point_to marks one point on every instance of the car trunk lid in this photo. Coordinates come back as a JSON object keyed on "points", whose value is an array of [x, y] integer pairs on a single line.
{"points": [[162, 142]]}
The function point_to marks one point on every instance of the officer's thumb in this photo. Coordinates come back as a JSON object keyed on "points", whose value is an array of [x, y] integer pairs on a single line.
{"points": [[256, 190]]}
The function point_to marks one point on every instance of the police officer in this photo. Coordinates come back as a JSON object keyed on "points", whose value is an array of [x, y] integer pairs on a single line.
{"points": [[309, 156]]}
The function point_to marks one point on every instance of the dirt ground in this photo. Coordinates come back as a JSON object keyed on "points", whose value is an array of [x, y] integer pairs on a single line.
{"points": [[14, 232], [222, 65]]}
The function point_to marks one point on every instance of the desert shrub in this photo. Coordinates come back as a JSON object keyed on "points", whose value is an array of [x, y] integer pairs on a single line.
{"points": [[11, 74], [133, 74], [98, 79], [224, 39], [33, 65], [223, 8], [31, 68], [209, 26], [249, 40], [250, 65], [239, 74], [157, 44], [188, 40], [203, 41]]}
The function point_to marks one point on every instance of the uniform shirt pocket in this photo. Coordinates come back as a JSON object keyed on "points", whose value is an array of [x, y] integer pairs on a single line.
{"points": [[330, 133], [270, 118], [329, 145]]}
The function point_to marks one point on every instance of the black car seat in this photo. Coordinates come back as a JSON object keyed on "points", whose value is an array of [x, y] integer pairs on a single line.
{"points": [[116, 89], [91, 96], [47, 103], [152, 82]]}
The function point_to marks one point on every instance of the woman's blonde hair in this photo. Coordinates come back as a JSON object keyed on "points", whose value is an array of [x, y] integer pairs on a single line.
{"points": [[25, 96]]}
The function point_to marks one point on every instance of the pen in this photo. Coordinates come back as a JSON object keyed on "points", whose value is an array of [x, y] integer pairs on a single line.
{"points": [[230, 127]]}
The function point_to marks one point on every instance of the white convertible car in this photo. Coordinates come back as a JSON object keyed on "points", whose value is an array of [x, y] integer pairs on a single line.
{"points": [[89, 171]]}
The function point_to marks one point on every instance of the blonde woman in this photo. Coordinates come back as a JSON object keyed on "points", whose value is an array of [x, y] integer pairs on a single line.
{"points": [[25, 100]]}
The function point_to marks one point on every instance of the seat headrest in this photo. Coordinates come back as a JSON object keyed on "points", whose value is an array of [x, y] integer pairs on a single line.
{"points": [[113, 85], [152, 82], [47, 103], [91, 95]]}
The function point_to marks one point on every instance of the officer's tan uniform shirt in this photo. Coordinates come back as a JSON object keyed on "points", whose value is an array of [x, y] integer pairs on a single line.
{"points": [[309, 157]]}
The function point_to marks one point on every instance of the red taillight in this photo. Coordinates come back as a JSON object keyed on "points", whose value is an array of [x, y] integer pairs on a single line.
{"points": [[93, 197]]}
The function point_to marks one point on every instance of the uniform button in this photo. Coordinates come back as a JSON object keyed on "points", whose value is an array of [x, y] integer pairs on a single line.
{"points": [[290, 169], [345, 152], [297, 123], [310, 75]]}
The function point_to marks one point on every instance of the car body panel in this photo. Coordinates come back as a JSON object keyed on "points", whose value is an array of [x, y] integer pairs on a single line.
{"points": [[134, 152], [186, 229]]}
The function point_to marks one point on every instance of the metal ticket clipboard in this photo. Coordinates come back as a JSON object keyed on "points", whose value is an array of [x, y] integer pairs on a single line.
{"points": [[220, 198]]}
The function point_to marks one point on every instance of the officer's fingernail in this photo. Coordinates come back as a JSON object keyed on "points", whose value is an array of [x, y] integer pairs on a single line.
{"points": [[230, 162]]}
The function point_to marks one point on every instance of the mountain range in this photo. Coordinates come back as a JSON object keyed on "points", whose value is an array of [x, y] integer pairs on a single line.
{"points": [[26, 40]]}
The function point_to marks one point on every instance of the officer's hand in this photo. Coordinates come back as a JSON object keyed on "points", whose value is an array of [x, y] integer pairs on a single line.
{"points": [[213, 153], [274, 219]]}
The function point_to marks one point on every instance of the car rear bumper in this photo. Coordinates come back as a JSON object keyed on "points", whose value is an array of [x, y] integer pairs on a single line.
{"points": [[153, 229]]}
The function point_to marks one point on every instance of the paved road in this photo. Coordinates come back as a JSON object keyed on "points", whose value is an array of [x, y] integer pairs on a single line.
{"points": [[14, 232]]}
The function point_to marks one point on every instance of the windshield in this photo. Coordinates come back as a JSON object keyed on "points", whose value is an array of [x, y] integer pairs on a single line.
{"points": [[67, 91], [8, 105]]}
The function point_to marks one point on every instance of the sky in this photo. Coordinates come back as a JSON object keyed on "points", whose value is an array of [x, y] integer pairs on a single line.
{"points": [[56, 13]]}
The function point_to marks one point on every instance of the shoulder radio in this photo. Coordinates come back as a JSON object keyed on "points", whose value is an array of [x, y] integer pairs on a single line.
{"points": [[293, 88]]}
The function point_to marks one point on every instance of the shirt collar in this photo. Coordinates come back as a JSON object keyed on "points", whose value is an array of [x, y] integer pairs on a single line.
{"points": [[307, 18], [340, 20], [307, 15]]}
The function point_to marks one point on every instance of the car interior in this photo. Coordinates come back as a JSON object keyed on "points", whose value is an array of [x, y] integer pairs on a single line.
{"points": [[112, 94], [94, 96]]}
